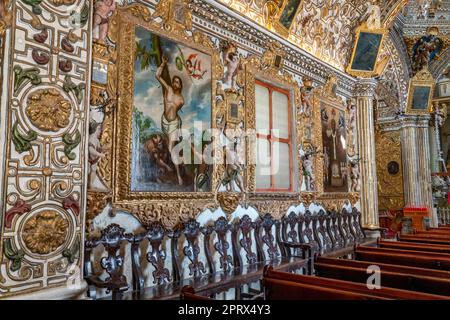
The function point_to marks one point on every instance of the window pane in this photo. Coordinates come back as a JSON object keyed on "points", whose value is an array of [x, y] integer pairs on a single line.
{"points": [[281, 170], [280, 115], [262, 109], [262, 164]]}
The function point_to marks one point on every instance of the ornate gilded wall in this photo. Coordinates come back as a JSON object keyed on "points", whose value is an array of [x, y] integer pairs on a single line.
{"points": [[44, 117], [389, 170]]}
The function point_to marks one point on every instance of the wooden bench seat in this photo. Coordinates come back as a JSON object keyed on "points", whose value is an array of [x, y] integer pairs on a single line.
{"points": [[408, 259], [225, 255], [413, 246], [393, 279], [418, 239], [327, 233], [210, 285], [412, 270], [421, 253], [434, 231], [319, 282], [287, 290], [218, 257], [188, 293], [424, 234]]}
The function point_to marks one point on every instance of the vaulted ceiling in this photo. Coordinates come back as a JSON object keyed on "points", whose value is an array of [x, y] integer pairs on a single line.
{"points": [[323, 28]]}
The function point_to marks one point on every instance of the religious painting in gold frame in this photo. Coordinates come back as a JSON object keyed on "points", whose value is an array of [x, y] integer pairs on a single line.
{"points": [[330, 113], [366, 49], [420, 93], [286, 16], [268, 70], [176, 47]]}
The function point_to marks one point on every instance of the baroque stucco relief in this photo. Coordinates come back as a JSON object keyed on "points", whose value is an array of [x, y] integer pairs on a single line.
{"points": [[44, 155]]}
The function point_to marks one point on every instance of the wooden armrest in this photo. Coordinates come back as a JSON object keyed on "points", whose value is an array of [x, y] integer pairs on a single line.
{"points": [[305, 246], [108, 284]]}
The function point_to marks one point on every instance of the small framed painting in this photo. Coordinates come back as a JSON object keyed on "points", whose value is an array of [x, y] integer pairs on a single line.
{"points": [[420, 95], [365, 53], [287, 15]]}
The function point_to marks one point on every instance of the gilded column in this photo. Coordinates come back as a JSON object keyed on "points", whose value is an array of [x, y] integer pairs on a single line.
{"points": [[364, 94], [416, 161]]}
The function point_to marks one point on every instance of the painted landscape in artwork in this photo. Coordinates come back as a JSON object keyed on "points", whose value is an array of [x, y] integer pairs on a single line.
{"points": [[171, 112]]}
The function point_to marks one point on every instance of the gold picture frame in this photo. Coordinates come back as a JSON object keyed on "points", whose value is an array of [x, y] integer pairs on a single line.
{"points": [[169, 207], [420, 93], [287, 15], [366, 50], [326, 98]]}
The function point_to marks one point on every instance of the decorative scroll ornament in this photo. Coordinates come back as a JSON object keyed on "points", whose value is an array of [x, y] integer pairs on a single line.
{"points": [[228, 201], [175, 14], [15, 256], [45, 232], [48, 110], [62, 2]]}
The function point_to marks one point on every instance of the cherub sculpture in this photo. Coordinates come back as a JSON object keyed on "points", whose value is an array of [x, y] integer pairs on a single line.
{"points": [[103, 10], [232, 62], [96, 151]]}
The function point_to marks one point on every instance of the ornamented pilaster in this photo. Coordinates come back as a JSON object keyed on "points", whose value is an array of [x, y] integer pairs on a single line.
{"points": [[43, 149], [364, 93], [416, 161]]}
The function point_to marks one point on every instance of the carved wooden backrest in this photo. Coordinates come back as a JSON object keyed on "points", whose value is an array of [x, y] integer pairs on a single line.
{"points": [[221, 245], [307, 232], [358, 230], [189, 231], [338, 240], [112, 238], [156, 255], [321, 231], [289, 227], [344, 226], [242, 238], [265, 238]]}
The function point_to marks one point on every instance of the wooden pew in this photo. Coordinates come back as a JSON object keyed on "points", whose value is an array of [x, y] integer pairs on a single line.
{"points": [[426, 234], [409, 259], [414, 238], [387, 267], [325, 283], [188, 293], [443, 227], [436, 230], [413, 246], [422, 253], [390, 279], [275, 289]]}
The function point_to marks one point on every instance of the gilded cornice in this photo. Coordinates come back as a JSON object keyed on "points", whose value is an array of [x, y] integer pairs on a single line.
{"points": [[254, 38]]}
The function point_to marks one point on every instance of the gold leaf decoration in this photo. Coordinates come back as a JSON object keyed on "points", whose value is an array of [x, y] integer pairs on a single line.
{"points": [[48, 110], [45, 232]]}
